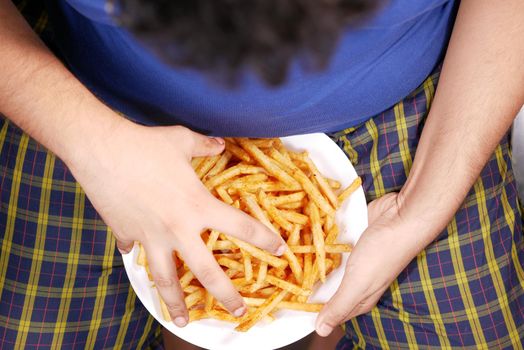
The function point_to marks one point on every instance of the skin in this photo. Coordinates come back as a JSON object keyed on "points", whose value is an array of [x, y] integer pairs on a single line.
{"points": [[480, 91]]}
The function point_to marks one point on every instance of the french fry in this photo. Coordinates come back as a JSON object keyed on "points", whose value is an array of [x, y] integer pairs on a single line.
{"points": [[306, 183], [349, 190], [206, 165], [224, 195], [194, 298], [195, 162], [318, 241], [195, 315], [334, 184], [294, 217], [330, 248], [237, 151], [286, 305], [286, 199], [290, 287], [232, 264], [273, 212], [264, 309], [259, 253], [248, 267], [255, 210], [219, 166], [232, 172], [163, 309], [269, 164], [141, 260], [186, 279]]}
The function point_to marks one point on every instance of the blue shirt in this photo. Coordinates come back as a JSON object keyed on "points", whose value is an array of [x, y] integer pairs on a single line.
{"points": [[373, 67]]}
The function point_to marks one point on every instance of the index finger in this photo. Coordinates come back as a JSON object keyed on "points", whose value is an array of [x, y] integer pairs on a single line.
{"points": [[206, 269]]}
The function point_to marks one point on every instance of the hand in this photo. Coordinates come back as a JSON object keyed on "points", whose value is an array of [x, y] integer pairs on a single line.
{"points": [[141, 182], [380, 255]]}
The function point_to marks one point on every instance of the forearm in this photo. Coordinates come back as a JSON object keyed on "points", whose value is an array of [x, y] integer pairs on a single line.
{"points": [[480, 91], [41, 96]]}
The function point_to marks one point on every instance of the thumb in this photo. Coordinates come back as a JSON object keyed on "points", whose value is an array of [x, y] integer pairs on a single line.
{"points": [[204, 146], [124, 247]]}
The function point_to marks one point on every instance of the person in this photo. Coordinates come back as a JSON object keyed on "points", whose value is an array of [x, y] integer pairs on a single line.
{"points": [[105, 111]]}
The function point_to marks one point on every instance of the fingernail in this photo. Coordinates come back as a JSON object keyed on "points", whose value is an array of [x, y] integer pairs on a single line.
{"points": [[281, 250], [218, 140], [324, 330], [180, 321], [240, 311], [123, 252]]}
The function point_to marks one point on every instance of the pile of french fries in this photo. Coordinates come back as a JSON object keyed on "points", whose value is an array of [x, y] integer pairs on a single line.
{"points": [[286, 192]]}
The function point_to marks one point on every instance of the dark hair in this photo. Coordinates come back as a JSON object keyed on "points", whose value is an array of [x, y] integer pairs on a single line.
{"points": [[224, 36]]}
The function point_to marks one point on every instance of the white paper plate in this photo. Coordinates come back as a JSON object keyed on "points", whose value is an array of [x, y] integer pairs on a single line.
{"points": [[289, 326]]}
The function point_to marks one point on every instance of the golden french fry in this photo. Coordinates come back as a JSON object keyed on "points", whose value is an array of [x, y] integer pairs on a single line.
{"points": [[195, 315], [292, 205], [286, 305], [224, 195], [306, 183], [190, 289], [264, 309], [163, 309], [294, 236], [186, 278], [269, 186], [294, 217], [237, 152], [219, 166], [349, 190], [248, 267], [259, 253], [334, 184], [261, 277], [321, 181], [318, 241], [232, 172], [269, 164], [141, 260], [332, 235], [286, 199], [330, 248], [285, 285], [213, 236], [252, 206], [294, 265], [232, 264], [329, 222], [273, 212], [195, 162], [194, 298], [264, 143], [206, 165]]}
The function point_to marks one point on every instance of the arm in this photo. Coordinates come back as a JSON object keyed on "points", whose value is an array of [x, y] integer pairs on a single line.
{"points": [[480, 91], [138, 178]]}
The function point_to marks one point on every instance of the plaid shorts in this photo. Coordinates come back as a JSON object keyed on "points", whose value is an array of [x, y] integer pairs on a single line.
{"points": [[63, 285]]}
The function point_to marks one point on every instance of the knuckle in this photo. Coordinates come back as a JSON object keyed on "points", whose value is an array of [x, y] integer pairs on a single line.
{"points": [[176, 308], [248, 230], [231, 301], [208, 276], [164, 281]]}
